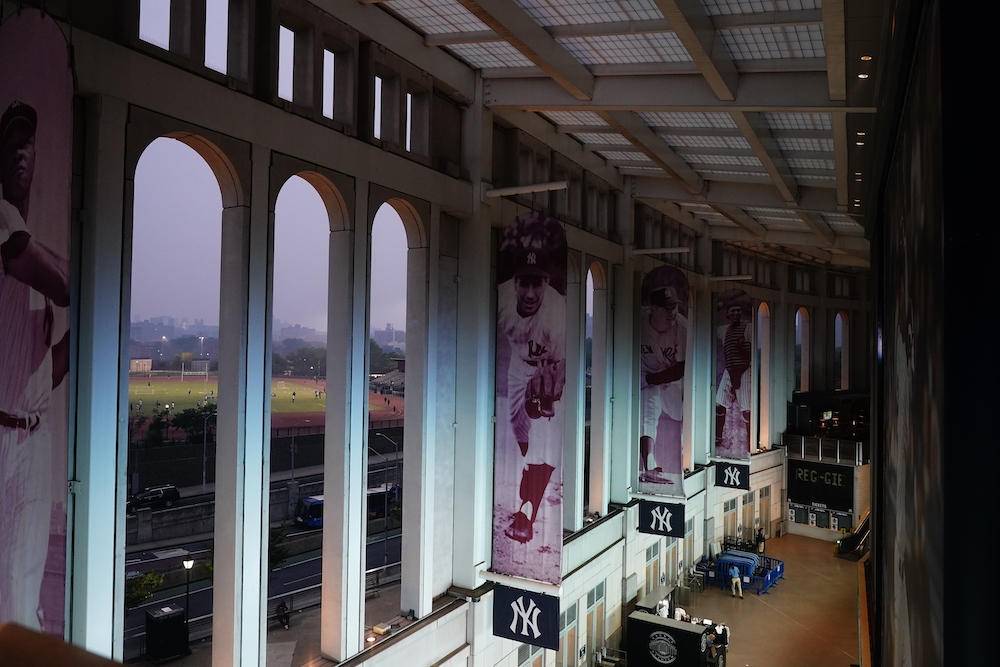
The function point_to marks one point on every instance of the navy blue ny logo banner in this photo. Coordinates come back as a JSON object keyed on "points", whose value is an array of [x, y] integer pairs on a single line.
{"points": [[526, 617], [732, 475], [661, 518]]}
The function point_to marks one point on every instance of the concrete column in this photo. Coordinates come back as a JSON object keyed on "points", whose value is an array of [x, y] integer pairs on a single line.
{"points": [[573, 393], [98, 486], [418, 434], [474, 356], [241, 501], [623, 343], [346, 432], [600, 391]]}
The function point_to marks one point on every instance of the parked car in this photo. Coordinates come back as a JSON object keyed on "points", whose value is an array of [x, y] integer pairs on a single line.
{"points": [[153, 497]]}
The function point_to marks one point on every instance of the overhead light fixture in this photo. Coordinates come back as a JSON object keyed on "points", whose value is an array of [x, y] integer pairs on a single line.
{"points": [[862, 75], [861, 134], [860, 143], [527, 189], [866, 58]]}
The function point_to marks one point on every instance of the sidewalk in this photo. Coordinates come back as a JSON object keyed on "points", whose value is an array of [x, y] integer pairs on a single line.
{"points": [[299, 645]]}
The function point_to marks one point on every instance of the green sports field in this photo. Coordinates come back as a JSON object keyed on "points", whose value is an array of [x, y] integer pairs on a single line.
{"points": [[187, 394]]}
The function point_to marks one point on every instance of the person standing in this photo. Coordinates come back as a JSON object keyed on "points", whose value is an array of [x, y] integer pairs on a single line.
{"points": [[663, 343], [760, 540], [33, 281], [532, 315], [736, 579]]}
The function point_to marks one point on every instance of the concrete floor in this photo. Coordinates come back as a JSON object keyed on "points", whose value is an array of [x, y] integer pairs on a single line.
{"points": [[809, 619]]}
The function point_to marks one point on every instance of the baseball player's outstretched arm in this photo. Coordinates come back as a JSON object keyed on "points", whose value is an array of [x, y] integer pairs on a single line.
{"points": [[31, 263], [675, 372]]}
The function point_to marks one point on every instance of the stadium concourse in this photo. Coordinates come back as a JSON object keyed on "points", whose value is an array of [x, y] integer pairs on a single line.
{"points": [[544, 157]]}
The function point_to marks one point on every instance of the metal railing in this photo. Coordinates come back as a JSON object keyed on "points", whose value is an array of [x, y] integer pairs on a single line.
{"points": [[856, 452]]}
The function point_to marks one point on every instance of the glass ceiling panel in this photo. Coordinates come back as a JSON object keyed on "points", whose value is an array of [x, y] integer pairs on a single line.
{"points": [[436, 16], [770, 42], [687, 119], [721, 7], [799, 144], [576, 12], [801, 163], [634, 156], [734, 160], [490, 54], [706, 142], [593, 138], [574, 118], [799, 121], [626, 49]]}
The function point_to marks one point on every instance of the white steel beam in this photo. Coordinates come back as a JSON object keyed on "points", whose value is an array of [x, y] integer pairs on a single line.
{"points": [[819, 200], [757, 134], [515, 26], [696, 32], [795, 92], [636, 131]]}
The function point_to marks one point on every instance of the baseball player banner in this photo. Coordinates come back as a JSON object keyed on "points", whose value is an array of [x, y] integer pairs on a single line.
{"points": [[663, 350], [531, 372], [36, 134], [733, 374]]}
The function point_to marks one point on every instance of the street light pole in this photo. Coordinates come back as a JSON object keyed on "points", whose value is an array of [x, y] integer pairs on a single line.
{"points": [[188, 564], [204, 451], [385, 509], [304, 421], [395, 467]]}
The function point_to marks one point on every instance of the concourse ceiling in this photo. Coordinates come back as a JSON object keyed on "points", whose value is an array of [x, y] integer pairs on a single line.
{"points": [[745, 120]]}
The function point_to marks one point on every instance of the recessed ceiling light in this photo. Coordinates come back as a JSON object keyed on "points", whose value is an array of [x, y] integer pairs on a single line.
{"points": [[857, 173], [861, 134], [860, 143], [858, 180], [866, 58], [862, 75]]}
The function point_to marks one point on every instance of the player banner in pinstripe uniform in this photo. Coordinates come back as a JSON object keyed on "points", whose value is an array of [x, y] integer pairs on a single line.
{"points": [[530, 425], [733, 374], [662, 353], [36, 140]]}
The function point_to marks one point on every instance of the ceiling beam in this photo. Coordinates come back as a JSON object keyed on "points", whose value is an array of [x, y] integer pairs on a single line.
{"points": [[732, 152], [818, 225], [819, 200], [696, 32], [843, 243], [697, 131], [840, 152], [679, 215], [740, 217], [725, 22], [757, 134], [648, 69], [509, 21], [835, 43], [797, 92], [635, 130]]}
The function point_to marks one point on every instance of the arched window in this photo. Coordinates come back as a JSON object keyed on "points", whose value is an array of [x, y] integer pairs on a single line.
{"points": [[802, 349], [841, 351], [174, 302], [763, 375]]}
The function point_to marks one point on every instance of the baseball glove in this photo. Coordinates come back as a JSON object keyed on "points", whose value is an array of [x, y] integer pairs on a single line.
{"points": [[545, 388]]}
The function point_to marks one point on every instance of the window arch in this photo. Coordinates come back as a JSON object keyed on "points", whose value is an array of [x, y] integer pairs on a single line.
{"points": [[841, 351], [802, 343], [763, 375]]}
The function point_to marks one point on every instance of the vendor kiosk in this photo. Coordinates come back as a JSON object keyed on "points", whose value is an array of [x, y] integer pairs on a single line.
{"points": [[658, 601], [654, 641]]}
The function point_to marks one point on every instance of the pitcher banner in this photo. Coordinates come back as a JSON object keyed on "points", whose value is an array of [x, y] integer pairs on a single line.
{"points": [[36, 142], [734, 374], [662, 354], [530, 375]]}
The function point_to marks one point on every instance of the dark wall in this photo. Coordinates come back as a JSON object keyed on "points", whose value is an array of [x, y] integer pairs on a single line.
{"points": [[909, 547]]}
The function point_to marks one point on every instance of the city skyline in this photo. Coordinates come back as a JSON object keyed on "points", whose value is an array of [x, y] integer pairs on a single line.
{"points": [[177, 218]]}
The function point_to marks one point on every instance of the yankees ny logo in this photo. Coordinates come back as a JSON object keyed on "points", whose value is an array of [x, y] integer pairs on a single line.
{"points": [[532, 259], [733, 476], [528, 617], [536, 349], [661, 519]]}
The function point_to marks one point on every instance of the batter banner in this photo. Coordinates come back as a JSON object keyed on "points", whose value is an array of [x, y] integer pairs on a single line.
{"points": [[662, 354], [36, 139], [530, 425], [733, 374]]}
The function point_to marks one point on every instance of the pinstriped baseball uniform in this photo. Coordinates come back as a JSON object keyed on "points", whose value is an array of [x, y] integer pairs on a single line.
{"points": [[534, 341], [25, 389]]}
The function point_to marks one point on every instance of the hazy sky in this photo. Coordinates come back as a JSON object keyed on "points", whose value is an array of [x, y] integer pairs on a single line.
{"points": [[177, 245]]}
